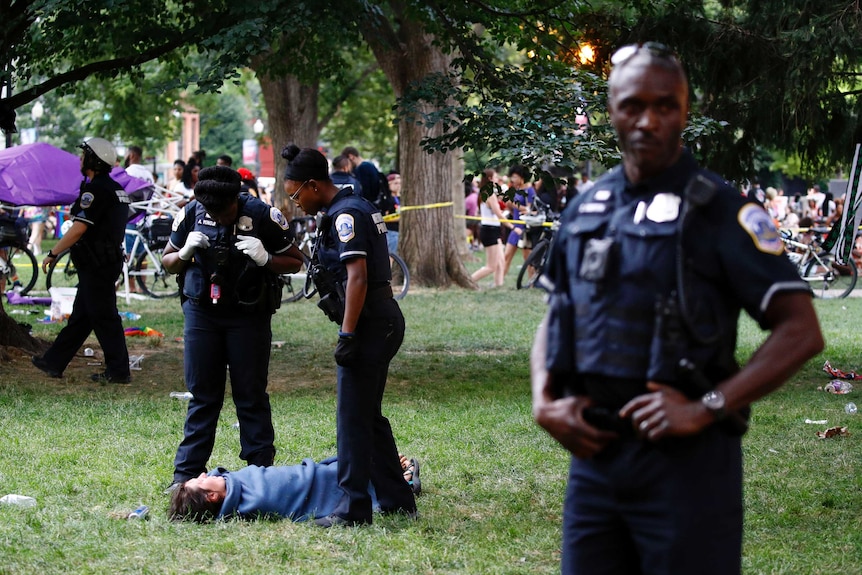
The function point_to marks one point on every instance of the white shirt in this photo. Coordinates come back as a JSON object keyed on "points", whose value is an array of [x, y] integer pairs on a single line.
{"points": [[141, 172]]}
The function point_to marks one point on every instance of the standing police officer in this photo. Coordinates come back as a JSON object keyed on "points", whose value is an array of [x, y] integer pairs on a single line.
{"points": [[95, 239], [357, 295], [228, 249], [633, 367]]}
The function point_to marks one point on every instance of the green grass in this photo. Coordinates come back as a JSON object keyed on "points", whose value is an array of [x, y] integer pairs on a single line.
{"points": [[458, 399]]}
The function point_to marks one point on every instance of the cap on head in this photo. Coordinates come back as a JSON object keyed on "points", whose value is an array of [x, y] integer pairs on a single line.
{"points": [[245, 174], [102, 149]]}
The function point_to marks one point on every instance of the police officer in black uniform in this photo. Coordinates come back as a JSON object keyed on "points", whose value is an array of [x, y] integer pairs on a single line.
{"points": [[352, 274], [228, 249], [633, 367], [98, 226]]}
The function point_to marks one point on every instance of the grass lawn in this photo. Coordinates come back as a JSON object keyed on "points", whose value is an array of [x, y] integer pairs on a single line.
{"points": [[458, 399]]}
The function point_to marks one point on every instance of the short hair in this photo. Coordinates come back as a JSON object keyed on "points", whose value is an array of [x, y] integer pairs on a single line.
{"points": [[668, 62], [226, 160], [192, 505], [350, 151], [136, 150], [521, 171], [340, 162], [179, 162]]}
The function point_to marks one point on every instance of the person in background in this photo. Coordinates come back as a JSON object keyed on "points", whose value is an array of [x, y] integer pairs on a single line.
{"points": [[296, 492], [94, 240], [228, 249], [224, 160], [367, 173], [491, 230], [135, 168], [521, 203], [248, 183], [351, 248], [633, 367], [341, 174], [471, 210], [186, 186], [176, 173], [390, 206]]}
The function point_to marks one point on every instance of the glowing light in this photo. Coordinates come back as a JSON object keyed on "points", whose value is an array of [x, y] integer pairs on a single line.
{"points": [[586, 54]]}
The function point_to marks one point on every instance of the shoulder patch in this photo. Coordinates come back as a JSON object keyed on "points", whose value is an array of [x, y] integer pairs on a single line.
{"points": [[760, 227], [344, 225], [178, 219], [278, 217], [87, 200]]}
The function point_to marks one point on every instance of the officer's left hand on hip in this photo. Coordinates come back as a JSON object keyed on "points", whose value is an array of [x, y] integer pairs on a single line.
{"points": [[347, 350], [254, 249]]}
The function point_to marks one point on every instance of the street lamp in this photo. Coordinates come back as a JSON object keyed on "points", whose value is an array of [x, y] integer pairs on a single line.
{"points": [[36, 113], [257, 128]]}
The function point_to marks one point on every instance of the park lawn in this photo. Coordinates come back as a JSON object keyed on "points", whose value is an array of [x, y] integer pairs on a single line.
{"points": [[458, 399]]}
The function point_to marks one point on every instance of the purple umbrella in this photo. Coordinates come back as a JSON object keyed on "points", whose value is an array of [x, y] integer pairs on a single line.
{"points": [[41, 175]]}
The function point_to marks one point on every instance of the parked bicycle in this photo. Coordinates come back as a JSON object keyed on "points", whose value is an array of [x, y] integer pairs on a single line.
{"points": [[142, 265], [828, 278], [534, 265], [17, 263]]}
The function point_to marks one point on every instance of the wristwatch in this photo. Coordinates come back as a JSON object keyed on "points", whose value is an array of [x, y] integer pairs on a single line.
{"points": [[714, 402]]}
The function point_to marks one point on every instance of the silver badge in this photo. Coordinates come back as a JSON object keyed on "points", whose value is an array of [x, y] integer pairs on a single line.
{"points": [[663, 208], [244, 223]]}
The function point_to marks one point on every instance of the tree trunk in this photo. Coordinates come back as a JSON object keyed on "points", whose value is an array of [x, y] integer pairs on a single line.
{"points": [[430, 236], [292, 111], [17, 335]]}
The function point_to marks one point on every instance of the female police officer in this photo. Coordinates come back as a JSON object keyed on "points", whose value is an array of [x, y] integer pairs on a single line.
{"points": [[352, 249], [228, 249], [95, 239]]}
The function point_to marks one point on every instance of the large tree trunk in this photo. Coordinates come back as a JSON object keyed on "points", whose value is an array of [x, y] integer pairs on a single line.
{"points": [[292, 110], [431, 237]]}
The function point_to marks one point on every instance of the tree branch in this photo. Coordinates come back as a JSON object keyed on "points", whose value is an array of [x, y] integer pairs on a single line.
{"points": [[346, 92]]}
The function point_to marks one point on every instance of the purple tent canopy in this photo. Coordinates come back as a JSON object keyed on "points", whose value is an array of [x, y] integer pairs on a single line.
{"points": [[41, 175]]}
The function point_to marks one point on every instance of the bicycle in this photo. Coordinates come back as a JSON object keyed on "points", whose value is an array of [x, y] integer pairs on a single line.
{"points": [[533, 267], [18, 265], [828, 278], [146, 269]]}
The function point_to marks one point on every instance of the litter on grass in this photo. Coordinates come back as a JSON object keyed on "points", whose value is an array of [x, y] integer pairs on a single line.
{"points": [[837, 387], [833, 432], [835, 372], [816, 421]]}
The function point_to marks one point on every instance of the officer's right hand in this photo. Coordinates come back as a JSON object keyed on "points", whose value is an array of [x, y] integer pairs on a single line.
{"points": [[194, 241], [564, 420]]}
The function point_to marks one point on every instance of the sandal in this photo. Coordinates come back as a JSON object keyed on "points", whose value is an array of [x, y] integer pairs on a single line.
{"points": [[411, 475]]}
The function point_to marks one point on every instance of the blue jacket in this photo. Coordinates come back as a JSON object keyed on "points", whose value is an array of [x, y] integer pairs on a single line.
{"points": [[295, 492]]}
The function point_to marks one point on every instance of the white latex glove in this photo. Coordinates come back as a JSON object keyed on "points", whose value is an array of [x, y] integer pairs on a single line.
{"points": [[194, 241], [253, 248]]}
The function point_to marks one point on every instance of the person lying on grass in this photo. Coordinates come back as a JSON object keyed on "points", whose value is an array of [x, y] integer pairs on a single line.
{"points": [[296, 492]]}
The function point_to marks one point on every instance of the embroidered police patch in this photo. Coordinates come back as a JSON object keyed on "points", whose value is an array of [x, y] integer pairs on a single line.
{"points": [[87, 200], [178, 220], [760, 227], [244, 223], [344, 225], [278, 217]]}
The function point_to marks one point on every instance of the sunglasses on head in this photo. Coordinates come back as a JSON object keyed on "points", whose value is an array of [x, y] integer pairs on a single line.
{"points": [[657, 49]]}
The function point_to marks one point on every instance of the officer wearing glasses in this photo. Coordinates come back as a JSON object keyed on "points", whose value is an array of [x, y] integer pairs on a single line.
{"points": [[356, 295], [228, 249], [633, 367]]}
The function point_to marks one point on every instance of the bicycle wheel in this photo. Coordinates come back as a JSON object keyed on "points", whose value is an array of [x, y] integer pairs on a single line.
{"points": [[62, 272], [400, 277], [828, 279], [295, 284], [23, 270], [533, 266], [152, 277]]}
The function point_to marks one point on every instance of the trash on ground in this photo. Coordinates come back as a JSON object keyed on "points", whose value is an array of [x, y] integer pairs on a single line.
{"points": [[833, 432], [18, 500], [277, 344], [850, 408], [837, 387], [835, 372], [142, 331], [817, 421], [129, 315], [139, 513], [184, 395]]}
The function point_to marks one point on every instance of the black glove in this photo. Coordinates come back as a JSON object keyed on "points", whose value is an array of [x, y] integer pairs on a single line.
{"points": [[347, 350]]}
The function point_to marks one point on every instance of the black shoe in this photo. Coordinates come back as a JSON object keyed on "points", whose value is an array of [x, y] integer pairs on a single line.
{"points": [[408, 513], [39, 362], [336, 521], [106, 378]]}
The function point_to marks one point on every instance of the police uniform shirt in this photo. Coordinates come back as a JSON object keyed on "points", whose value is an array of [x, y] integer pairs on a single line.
{"points": [[357, 231], [734, 260], [254, 218], [103, 206]]}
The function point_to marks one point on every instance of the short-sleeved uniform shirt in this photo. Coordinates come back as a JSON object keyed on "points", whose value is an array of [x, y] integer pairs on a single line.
{"points": [[734, 259], [241, 275]]}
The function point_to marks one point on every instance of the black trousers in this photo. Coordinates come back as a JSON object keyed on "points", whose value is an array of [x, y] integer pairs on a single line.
{"points": [[366, 446], [94, 310]]}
